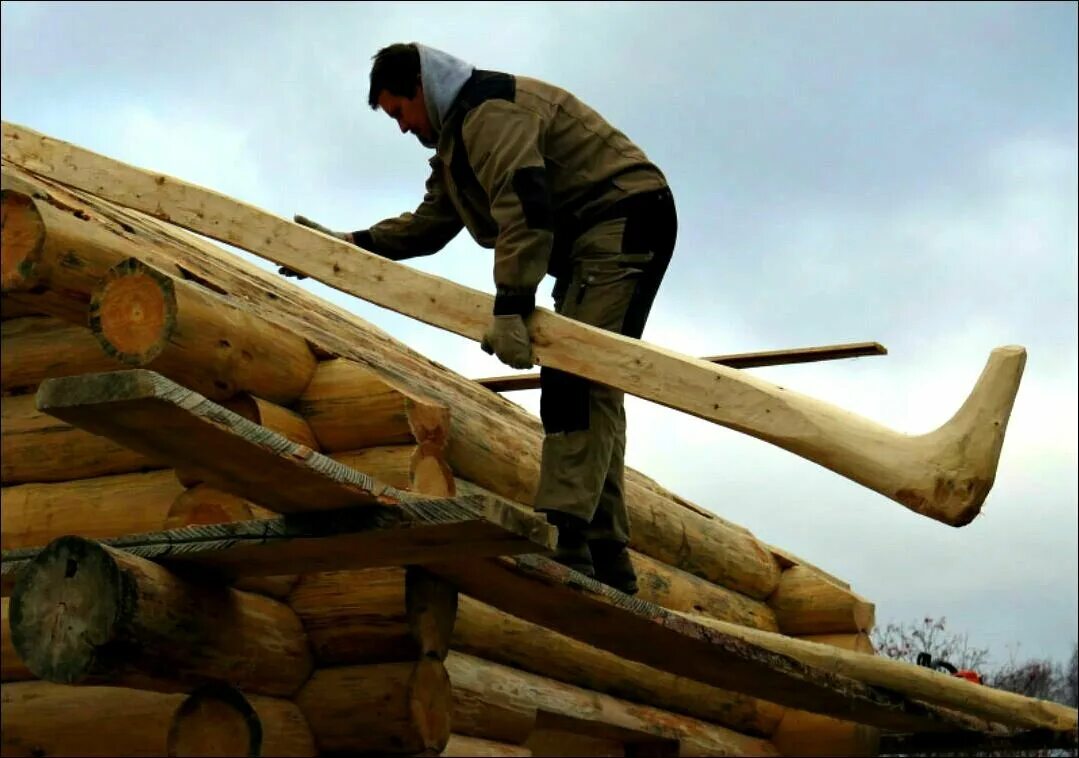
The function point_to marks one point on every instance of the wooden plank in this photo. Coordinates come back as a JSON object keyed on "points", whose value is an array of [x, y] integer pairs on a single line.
{"points": [[546, 593], [153, 415], [945, 474], [516, 382], [415, 531]]}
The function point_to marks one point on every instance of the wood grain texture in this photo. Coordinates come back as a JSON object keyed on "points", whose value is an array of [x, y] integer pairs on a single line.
{"points": [[35, 348]]}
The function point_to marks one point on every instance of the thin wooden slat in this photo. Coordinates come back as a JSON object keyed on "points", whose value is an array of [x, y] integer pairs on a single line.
{"points": [[517, 382], [416, 531], [945, 474]]}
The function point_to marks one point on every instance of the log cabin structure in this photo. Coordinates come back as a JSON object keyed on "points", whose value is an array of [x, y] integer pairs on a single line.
{"points": [[239, 520]]}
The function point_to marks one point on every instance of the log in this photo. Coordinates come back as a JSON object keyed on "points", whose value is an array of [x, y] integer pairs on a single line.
{"points": [[46, 719], [719, 653], [945, 474], [220, 720], [503, 458], [484, 631], [806, 602], [375, 615], [392, 708], [286, 422], [84, 613], [460, 745], [35, 447], [518, 382], [810, 734], [146, 319], [12, 308], [350, 407], [946, 693], [416, 468], [106, 506], [679, 591], [202, 505], [12, 669], [54, 253], [496, 702], [36, 348]]}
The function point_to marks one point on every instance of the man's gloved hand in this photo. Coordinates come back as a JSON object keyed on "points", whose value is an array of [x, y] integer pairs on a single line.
{"points": [[507, 337], [304, 221]]}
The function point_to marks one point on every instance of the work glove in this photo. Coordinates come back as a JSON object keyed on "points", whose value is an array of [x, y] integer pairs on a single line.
{"points": [[507, 338], [304, 221]]}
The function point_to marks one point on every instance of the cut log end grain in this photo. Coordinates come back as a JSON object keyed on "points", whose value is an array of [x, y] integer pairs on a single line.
{"points": [[133, 313], [23, 239], [215, 720], [65, 604]]}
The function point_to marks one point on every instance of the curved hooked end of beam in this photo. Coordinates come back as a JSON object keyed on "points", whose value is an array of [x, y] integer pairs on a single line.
{"points": [[962, 454]]}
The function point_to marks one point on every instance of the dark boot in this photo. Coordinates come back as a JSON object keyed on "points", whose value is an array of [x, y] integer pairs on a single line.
{"points": [[572, 550], [613, 565]]}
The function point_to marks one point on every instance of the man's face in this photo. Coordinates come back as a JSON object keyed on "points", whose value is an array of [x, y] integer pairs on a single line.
{"points": [[410, 114]]}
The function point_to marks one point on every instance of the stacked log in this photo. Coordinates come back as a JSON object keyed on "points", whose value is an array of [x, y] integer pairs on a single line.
{"points": [[159, 298]]}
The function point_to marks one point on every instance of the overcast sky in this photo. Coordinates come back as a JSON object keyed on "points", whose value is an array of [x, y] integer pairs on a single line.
{"points": [[901, 173]]}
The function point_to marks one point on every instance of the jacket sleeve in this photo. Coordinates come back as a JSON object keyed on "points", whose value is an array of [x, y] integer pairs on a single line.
{"points": [[425, 231], [504, 143]]}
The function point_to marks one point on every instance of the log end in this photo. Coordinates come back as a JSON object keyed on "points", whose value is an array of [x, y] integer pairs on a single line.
{"points": [[215, 720], [23, 240], [65, 607], [431, 704], [133, 312]]}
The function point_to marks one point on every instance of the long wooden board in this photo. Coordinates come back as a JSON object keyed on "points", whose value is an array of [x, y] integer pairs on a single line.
{"points": [[544, 592], [152, 414], [945, 474], [517, 382], [416, 531]]}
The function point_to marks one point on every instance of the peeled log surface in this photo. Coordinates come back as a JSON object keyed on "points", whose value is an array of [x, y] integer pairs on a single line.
{"points": [[195, 336], [948, 694], [675, 589], [945, 474], [396, 708], [810, 734], [287, 423], [36, 447], [503, 457], [203, 505], [375, 615], [218, 720], [36, 348], [806, 602], [84, 613], [46, 719], [55, 253], [106, 506], [12, 669], [484, 631], [722, 654], [416, 468], [350, 407], [501, 703], [459, 745]]}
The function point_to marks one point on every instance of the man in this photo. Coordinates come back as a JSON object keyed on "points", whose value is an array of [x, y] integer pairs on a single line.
{"points": [[546, 182]]}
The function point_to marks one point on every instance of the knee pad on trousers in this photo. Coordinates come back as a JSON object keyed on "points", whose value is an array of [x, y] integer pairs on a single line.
{"points": [[564, 401]]}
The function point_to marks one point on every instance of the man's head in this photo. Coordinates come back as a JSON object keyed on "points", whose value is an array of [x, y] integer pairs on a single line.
{"points": [[397, 89]]}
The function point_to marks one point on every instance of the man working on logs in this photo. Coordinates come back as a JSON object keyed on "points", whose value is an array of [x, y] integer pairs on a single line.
{"points": [[543, 179]]}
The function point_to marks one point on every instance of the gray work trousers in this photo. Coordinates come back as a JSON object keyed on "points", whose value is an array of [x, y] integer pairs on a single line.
{"points": [[616, 266]]}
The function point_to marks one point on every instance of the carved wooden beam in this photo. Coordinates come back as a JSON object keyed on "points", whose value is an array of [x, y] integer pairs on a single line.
{"points": [[945, 474]]}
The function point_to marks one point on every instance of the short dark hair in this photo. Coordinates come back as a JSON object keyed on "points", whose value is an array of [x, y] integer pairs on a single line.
{"points": [[397, 70]]}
